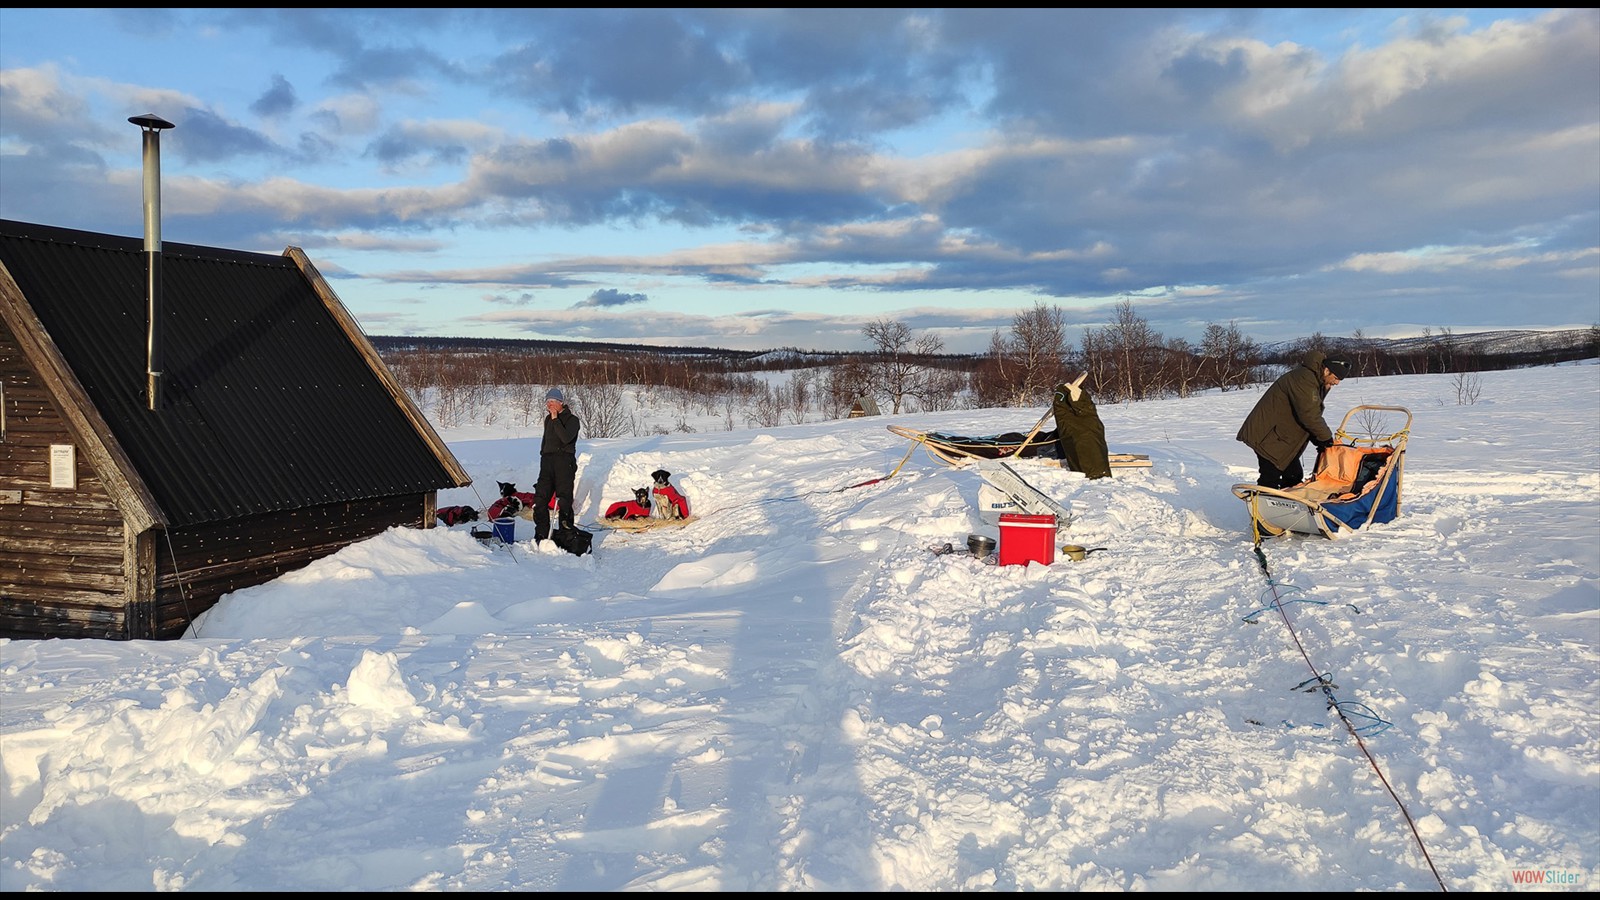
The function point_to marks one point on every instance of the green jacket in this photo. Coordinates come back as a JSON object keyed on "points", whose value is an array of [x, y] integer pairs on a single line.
{"points": [[1289, 414], [1080, 434]]}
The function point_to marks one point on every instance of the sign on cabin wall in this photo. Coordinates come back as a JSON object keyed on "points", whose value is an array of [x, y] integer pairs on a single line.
{"points": [[63, 466]]}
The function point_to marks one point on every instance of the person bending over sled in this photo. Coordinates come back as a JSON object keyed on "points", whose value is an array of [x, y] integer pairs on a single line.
{"points": [[1080, 434], [558, 465], [1288, 416]]}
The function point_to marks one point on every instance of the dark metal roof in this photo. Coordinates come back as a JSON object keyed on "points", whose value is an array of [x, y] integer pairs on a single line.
{"points": [[268, 404]]}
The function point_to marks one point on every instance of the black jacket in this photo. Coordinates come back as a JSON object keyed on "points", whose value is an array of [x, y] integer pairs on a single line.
{"points": [[560, 433]]}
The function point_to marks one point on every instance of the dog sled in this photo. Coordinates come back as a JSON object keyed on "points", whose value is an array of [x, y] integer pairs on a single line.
{"points": [[959, 450], [1355, 483]]}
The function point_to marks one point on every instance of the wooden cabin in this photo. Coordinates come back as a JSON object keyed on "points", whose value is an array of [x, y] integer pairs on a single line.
{"points": [[277, 435]]}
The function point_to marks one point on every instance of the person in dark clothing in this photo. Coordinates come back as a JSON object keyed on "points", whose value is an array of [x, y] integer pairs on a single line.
{"points": [[1289, 416], [558, 465], [1080, 434]]}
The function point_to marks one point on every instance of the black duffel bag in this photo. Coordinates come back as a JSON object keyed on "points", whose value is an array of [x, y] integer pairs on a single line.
{"points": [[573, 540]]}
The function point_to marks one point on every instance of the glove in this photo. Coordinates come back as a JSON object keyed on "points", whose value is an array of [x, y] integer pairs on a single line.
{"points": [[1322, 445]]}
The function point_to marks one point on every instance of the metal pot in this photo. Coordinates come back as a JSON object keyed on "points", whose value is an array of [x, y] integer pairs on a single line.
{"points": [[980, 545], [1076, 553]]}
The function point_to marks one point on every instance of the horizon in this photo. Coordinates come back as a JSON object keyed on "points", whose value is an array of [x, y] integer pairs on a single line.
{"points": [[1271, 347]]}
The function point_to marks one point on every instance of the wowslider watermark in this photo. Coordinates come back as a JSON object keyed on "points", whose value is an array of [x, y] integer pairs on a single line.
{"points": [[1561, 878]]}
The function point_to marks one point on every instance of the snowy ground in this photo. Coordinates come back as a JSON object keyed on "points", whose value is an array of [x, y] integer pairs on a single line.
{"points": [[793, 693]]}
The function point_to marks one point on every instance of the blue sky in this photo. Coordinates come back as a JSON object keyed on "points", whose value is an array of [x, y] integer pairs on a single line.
{"points": [[759, 178]]}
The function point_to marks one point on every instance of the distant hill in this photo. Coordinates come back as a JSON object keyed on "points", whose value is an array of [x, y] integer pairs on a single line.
{"points": [[390, 343], [1480, 343]]}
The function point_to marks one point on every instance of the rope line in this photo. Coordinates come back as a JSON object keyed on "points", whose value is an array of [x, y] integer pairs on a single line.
{"points": [[1278, 601], [1344, 710], [503, 542], [183, 592]]}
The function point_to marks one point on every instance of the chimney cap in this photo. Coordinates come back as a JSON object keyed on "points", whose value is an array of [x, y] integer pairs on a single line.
{"points": [[151, 121]]}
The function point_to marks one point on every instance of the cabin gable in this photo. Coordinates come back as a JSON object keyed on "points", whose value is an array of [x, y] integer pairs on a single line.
{"points": [[279, 436]]}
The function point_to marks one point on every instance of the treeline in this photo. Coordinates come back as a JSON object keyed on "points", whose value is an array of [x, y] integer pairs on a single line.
{"points": [[458, 380]]}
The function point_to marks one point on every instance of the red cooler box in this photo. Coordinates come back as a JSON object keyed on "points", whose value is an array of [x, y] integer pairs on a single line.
{"points": [[1025, 539]]}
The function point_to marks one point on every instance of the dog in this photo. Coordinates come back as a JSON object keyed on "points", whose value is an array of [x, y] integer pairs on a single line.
{"points": [[505, 507], [637, 508], [669, 503], [513, 502], [451, 515]]}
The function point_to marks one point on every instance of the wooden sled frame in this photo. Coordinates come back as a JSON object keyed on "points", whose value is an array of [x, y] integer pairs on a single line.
{"points": [[962, 451], [1305, 507], [640, 525]]}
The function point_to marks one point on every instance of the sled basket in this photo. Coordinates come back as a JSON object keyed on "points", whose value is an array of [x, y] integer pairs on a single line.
{"points": [[959, 450], [1356, 482]]}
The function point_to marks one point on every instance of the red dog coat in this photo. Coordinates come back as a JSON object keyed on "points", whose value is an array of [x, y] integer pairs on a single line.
{"points": [[513, 505], [678, 503], [450, 515], [628, 509]]}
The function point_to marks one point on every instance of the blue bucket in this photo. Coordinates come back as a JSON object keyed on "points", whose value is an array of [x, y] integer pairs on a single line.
{"points": [[505, 529]]}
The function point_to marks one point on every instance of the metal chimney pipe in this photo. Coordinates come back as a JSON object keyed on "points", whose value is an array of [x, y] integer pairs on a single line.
{"points": [[152, 125]]}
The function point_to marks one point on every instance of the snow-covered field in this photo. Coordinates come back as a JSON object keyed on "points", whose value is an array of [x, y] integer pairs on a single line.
{"points": [[794, 693]]}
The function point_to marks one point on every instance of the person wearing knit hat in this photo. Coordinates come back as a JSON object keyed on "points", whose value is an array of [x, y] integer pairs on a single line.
{"points": [[558, 465], [1289, 415]]}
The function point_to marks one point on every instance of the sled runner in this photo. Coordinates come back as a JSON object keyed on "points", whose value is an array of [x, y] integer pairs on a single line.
{"points": [[1355, 482], [959, 450], [643, 524]]}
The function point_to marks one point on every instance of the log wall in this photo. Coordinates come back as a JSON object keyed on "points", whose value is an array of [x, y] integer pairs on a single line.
{"points": [[61, 550]]}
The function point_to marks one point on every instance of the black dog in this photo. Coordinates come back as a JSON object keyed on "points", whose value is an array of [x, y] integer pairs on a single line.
{"points": [[637, 508], [512, 502], [450, 515]]}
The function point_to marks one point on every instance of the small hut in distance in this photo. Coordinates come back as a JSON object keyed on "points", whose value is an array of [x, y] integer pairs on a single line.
{"points": [[864, 406]]}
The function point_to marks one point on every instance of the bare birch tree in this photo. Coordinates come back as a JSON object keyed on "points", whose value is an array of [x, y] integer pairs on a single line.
{"points": [[899, 363], [1031, 360], [603, 411]]}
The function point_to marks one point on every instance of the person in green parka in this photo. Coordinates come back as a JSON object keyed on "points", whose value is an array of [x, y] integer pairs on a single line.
{"points": [[1289, 416], [1079, 432]]}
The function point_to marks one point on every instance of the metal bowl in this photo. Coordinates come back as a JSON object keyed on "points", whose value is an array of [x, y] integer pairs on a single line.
{"points": [[980, 545]]}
